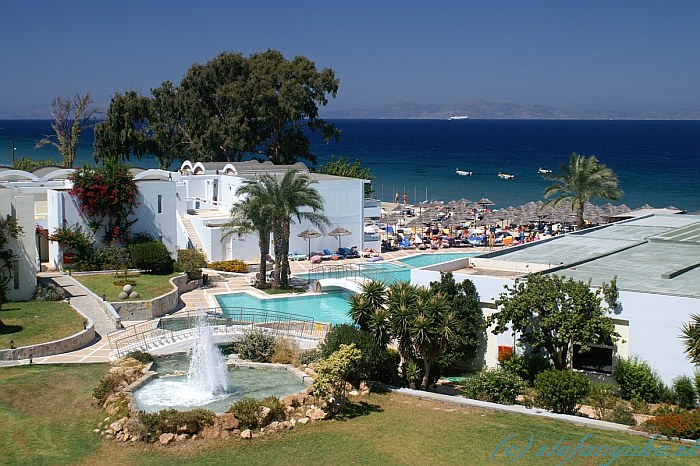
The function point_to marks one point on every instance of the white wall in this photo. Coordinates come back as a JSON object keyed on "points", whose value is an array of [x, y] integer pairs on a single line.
{"points": [[161, 225], [21, 207]]}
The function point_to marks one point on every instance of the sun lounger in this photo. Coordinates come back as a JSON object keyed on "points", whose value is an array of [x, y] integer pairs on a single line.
{"points": [[295, 256]]}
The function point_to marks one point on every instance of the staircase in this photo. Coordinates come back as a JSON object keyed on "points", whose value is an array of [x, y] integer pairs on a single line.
{"points": [[192, 235]]}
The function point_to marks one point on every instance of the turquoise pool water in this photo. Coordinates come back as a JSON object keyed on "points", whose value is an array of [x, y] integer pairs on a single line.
{"points": [[327, 307], [423, 260]]}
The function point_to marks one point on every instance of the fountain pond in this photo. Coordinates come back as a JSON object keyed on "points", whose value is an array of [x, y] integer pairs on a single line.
{"points": [[201, 379]]}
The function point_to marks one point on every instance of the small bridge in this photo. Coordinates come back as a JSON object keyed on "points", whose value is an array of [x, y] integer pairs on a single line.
{"points": [[232, 321]]}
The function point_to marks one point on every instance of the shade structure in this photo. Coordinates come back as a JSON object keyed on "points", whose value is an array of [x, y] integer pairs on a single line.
{"points": [[338, 233], [308, 234], [484, 201]]}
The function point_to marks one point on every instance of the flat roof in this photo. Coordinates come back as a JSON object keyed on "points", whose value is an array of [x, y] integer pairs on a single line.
{"points": [[654, 254]]}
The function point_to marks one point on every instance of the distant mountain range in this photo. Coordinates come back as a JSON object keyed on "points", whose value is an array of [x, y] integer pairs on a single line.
{"points": [[494, 109]]}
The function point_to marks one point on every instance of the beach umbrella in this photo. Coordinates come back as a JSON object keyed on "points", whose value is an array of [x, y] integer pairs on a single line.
{"points": [[308, 234], [339, 232], [484, 201]]}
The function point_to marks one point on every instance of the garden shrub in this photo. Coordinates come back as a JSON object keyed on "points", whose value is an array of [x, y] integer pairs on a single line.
{"points": [[376, 363], [494, 385], [684, 392], [235, 265], [637, 379], [278, 410], [191, 262], [685, 424], [696, 377], [640, 406], [141, 356], [621, 413], [112, 258], [48, 292], [561, 391], [309, 356], [256, 346], [286, 351], [332, 372], [526, 366], [151, 257], [173, 421], [105, 387], [602, 398], [247, 411]]}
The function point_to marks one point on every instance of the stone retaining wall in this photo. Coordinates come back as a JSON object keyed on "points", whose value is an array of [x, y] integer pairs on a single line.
{"points": [[64, 345], [156, 307]]}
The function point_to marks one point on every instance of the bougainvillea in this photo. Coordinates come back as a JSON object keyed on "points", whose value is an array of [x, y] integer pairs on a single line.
{"points": [[107, 197]]}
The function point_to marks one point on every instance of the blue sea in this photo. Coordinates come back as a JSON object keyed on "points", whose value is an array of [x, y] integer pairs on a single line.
{"points": [[657, 162]]}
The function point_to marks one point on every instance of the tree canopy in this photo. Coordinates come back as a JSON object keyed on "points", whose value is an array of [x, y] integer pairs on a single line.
{"points": [[228, 109], [342, 166], [553, 313], [582, 179]]}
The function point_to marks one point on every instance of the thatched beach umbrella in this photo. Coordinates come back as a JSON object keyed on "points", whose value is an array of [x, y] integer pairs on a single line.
{"points": [[308, 234], [338, 233], [484, 201]]}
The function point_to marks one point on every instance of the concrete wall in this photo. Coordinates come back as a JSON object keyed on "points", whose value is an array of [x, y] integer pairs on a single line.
{"points": [[72, 343], [161, 225], [157, 307], [21, 206]]}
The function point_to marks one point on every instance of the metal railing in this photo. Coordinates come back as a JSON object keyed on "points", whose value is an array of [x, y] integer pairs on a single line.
{"points": [[228, 320]]}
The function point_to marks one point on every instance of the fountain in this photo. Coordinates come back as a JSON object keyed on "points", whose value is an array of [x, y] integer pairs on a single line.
{"points": [[209, 383]]}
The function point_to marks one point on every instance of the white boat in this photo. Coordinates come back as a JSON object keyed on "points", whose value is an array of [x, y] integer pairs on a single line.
{"points": [[463, 172], [505, 176], [459, 117], [544, 171]]}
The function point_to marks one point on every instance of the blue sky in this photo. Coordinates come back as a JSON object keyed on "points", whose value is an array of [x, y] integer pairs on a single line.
{"points": [[628, 56]]}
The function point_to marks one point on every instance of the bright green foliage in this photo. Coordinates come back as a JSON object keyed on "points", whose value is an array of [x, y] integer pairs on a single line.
{"points": [[341, 166], [494, 385], [561, 391], [247, 411], [377, 362], [621, 413], [151, 257], [582, 179], [333, 371], [9, 230], [690, 334], [29, 165], [553, 313], [684, 391], [637, 379], [191, 262], [71, 117], [527, 365], [364, 305]]}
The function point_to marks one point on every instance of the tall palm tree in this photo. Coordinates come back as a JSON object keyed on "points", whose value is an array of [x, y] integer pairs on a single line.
{"points": [[293, 199], [691, 339], [431, 329], [253, 215], [364, 305], [580, 180]]}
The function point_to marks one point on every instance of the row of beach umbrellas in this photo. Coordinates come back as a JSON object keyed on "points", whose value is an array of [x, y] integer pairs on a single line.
{"points": [[310, 233]]}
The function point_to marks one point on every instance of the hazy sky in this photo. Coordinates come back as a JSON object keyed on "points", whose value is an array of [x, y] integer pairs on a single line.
{"points": [[581, 55]]}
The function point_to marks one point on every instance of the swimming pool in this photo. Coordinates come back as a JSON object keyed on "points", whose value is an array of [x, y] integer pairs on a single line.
{"points": [[326, 307], [423, 260]]}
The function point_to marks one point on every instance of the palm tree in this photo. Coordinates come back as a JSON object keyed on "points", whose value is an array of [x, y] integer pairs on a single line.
{"points": [[431, 329], [580, 180], [691, 339], [253, 214], [364, 305], [292, 199]]}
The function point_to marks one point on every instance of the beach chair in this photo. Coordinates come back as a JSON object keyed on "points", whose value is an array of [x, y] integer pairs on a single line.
{"points": [[295, 256]]}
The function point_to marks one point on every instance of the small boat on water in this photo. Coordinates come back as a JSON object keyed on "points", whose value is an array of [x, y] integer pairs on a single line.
{"points": [[505, 176], [544, 171], [459, 117], [463, 172]]}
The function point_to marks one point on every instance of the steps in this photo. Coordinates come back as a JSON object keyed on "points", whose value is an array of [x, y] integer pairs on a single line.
{"points": [[193, 236]]}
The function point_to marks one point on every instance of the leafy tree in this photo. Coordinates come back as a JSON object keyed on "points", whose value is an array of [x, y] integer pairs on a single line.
{"points": [[29, 165], [253, 214], [9, 230], [580, 180], [293, 199], [333, 371], [469, 319], [553, 313], [690, 334], [71, 117], [341, 166]]}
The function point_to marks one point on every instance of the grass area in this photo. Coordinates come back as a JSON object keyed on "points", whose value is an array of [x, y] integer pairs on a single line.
{"points": [[28, 323], [149, 286], [46, 418]]}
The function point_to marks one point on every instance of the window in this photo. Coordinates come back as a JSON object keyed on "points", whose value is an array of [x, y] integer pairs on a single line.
{"points": [[599, 358], [160, 203]]}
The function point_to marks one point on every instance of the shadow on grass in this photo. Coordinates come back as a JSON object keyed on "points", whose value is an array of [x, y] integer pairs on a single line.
{"points": [[362, 408], [8, 329]]}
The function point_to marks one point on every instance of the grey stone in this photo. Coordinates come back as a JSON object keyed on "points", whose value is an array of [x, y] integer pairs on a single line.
{"points": [[123, 295], [134, 295], [127, 288], [165, 439], [246, 434]]}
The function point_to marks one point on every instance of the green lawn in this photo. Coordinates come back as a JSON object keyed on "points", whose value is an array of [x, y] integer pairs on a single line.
{"points": [[46, 418], [32, 322], [149, 286]]}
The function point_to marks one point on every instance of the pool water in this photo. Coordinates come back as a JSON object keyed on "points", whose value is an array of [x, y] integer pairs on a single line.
{"points": [[424, 260], [257, 382], [326, 307]]}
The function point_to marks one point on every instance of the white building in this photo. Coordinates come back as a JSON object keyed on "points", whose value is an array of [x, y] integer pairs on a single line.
{"points": [[20, 206]]}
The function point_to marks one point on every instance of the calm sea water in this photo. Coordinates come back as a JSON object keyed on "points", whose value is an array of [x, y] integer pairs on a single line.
{"points": [[658, 162]]}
